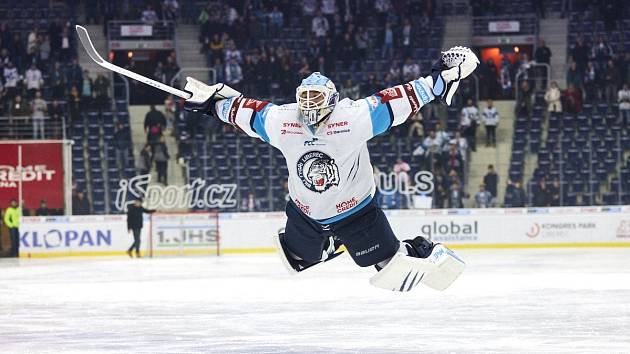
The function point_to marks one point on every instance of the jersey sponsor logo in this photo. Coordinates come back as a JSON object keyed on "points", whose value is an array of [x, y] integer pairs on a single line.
{"points": [[291, 125], [337, 125], [335, 132], [234, 111], [389, 94], [318, 171], [423, 94], [413, 100], [314, 142], [306, 209], [290, 132], [347, 205], [256, 105]]}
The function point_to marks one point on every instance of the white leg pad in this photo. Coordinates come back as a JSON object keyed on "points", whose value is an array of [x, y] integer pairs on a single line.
{"points": [[282, 255], [403, 273]]}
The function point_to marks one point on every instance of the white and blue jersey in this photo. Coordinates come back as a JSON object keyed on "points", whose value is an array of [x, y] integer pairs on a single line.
{"points": [[330, 174]]}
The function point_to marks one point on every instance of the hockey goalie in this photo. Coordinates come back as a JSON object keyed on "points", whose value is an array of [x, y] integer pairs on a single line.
{"points": [[331, 188]]}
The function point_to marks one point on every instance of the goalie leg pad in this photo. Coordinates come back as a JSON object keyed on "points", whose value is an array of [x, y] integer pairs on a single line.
{"points": [[403, 273]]}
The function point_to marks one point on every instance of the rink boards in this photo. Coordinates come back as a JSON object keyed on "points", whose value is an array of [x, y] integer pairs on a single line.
{"points": [[251, 232]]}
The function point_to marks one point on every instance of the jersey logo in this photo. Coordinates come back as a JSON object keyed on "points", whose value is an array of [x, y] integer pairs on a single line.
{"points": [[389, 94], [256, 105], [318, 171]]}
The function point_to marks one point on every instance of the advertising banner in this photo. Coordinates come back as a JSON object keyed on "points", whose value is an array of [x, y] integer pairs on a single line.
{"points": [[253, 232], [42, 173], [76, 235]]}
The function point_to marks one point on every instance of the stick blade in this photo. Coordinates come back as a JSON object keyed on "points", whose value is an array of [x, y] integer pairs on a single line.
{"points": [[84, 37]]}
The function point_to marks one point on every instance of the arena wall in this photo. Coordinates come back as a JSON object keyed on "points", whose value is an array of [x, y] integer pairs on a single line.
{"points": [[251, 232]]}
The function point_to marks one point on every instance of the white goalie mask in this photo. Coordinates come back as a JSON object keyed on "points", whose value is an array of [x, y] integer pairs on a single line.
{"points": [[316, 98]]}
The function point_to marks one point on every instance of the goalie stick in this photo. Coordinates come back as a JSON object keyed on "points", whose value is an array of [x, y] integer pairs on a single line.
{"points": [[84, 37]]}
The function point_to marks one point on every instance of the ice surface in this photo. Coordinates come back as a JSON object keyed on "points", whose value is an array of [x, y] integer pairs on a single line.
{"points": [[543, 300]]}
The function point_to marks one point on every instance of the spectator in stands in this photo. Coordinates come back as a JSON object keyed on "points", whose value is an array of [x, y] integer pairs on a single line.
{"points": [[101, 87], [43, 209], [455, 197], [407, 33], [74, 74], [216, 47], [233, 73], [362, 42], [86, 87], [580, 53], [320, 27], [149, 16], [514, 195], [552, 97], [122, 139], [66, 46], [505, 78], [161, 157], [11, 80], [154, 124], [591, 82], [12, 216], [623, 98], [351, 90], [56, 119], [18, 109], [402, 169], [432, 143], [554, 192], [58, 81], [468, 123], [461, 143], [415, 126], [145, 160], [135, 222], [170, 10], [250, 203], [601, 52], [573, 99], [39, 109], [524, 102], [74, 104], [410, 70], [491, 181], [453, 160], [483, 198], [387, 50], [34, 80], [490, 121], [542, 197], [610, 75], [542, 56], [276, 21], [44, 50], [80, 204], [488, 79]]}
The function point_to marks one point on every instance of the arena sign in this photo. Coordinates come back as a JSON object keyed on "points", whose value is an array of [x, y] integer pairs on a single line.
{"points": [[393, 183], [192, 195]]}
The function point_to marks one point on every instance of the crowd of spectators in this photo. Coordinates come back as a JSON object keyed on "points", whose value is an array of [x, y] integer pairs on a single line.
{"points": [[42, 86]]}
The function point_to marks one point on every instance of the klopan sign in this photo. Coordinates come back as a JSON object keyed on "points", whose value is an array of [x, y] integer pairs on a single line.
{"points": [[193, 195]]}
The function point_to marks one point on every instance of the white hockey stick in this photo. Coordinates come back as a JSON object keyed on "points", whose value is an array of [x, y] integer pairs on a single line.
{"points": [[84, 37]]}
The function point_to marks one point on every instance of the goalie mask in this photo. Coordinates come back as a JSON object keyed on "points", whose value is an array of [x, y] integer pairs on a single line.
{"points": [[316, 98]]}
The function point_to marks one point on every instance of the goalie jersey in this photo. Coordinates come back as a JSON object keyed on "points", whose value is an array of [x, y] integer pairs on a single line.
{"points": [[330, 174]]}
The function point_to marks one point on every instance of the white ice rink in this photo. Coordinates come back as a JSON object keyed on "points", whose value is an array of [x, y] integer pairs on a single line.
{"points": [[545, 301]]}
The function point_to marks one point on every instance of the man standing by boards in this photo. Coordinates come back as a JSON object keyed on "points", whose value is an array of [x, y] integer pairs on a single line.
{"points": [[12, 216], [134, 224]]}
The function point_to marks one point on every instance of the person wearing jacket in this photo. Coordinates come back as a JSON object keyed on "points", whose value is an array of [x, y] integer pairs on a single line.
{"points": [[134, 224], [12, 216]]}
